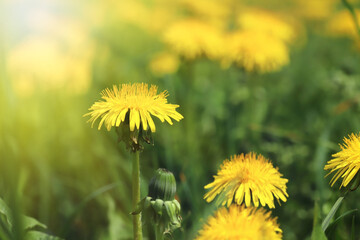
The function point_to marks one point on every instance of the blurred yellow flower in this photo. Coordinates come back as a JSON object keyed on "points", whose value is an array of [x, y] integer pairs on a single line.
{"points": [[343, 25], [138, 13], [240, 223], [135, 102], [255, 51], [357, 45], [266, 22], [192, 38], [247, 177], [161, 16], [216, 12], [131, 11], [345, 163], [164, 63], [209, 8], [315, 9]]}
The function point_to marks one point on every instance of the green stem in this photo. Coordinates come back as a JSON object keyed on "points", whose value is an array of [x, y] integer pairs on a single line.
{"points": [[353, 14], [159, 233], [137, 227]]}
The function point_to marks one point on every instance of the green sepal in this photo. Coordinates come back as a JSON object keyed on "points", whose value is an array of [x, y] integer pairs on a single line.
{"points": [[139, 207], [174, 219], [158, 206], [178, 206]]}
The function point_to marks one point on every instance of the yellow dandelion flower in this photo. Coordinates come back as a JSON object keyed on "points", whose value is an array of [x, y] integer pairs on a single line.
{"points": [[214, 11], [342, 24], [247, 177], [239, 223], [164, 63], [266, 22], [255, 51], [315, 9], [192, 38], [138, 101], [357, 45], [345, 163]]}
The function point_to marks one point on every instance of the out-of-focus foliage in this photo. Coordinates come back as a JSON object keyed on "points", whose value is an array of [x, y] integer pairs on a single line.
{"points": [[292, 105]]}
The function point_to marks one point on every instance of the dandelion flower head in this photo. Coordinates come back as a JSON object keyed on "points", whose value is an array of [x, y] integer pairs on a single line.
{"points": [[209, 9], [316, 9], [247, 178], [343, 25], [164, 63], [193, 38], [239, 222], [266, 22], [256, 51], [346, 163], [138, 101]]}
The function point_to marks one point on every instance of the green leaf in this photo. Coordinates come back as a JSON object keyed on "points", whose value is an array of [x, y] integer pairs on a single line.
{"points": [[119, 227], [317, 233], [29, 223], [332, 212], [353, 228], [333, 225], [6, 213], [35, 235]]}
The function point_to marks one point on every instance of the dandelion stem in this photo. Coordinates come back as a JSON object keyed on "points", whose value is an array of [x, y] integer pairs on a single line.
{"points": [[353, 14], [159, 232], [137, 228]]}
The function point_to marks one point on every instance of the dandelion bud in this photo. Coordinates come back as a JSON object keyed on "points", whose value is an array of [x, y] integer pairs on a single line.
{"points": [[160, 206], [162, 185]]}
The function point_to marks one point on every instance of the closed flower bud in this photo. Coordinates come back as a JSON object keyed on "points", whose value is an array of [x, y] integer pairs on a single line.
{"points": [[162, 185], [160, 206]]}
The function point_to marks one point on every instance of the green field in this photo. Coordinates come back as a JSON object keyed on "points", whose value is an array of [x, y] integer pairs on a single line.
{"points": [[278, 78]]}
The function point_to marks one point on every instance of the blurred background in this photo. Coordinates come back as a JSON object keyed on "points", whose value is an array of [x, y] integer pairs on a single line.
{"points": [[281, 78]]}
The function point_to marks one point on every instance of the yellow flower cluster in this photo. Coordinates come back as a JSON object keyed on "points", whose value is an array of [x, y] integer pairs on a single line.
{"points": [[192, 38], [258, 43], [249, 179], [239, 222]]}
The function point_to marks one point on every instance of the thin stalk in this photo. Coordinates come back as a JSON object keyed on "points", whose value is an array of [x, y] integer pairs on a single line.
{"points": [[137, 227], [159, 232], [353, 14]]}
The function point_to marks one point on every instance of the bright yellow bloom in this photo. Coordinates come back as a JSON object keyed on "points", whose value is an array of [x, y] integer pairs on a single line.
{"points": [[256, 51], [240, 223], [266, 22], [345, 163], [247, 177], [164, 63], [192, 38], [342, 24], [136, 101]]}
